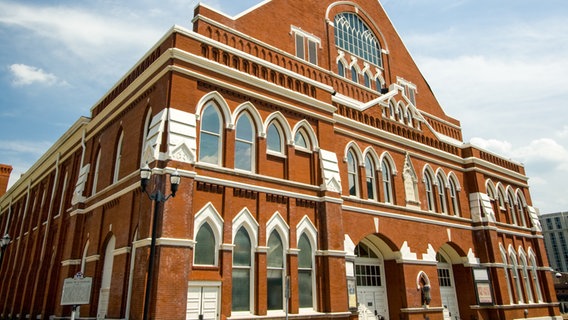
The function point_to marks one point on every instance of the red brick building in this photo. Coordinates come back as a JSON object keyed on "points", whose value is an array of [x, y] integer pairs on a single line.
{"points": [[320, 178]]}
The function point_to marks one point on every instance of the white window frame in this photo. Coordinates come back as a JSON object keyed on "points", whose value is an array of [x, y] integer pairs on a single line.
{"points": [[410, 89], [307, 40]]}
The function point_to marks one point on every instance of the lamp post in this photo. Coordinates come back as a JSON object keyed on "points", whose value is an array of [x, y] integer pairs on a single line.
{"points": [[4, 242], [158, 197]]}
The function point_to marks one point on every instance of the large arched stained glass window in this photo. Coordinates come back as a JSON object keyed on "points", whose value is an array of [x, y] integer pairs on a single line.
{"points": [[355, 37]]}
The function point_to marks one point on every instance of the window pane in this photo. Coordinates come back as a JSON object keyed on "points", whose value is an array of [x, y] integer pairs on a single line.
{"points": [[340, 69], [241, 290], [354, 75], [210, 120], [352, 174], [305, 255], [305, 288], [300, 46], [300, 140], [209, 148], [244, 128], [274, 140], [242, 249], [243, 156], [275, 290], [370, 174], [387, 186], [313, 52], [275, 251], [205, 246], [210, 138]]}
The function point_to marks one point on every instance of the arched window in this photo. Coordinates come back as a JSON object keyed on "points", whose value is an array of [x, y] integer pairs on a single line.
{"points": [[526, 277], [242, 272], [400, 114], [534, 274], [96, 172], [354, 36], [146, 130], [305, 272], [391, 110], [275, 138], [512, 208], [106, 279], [521, 210], [429, 192], [301, 140], [506, 268], [378, 84], [354, 75], [442, 194], [501, 196], [454, 197], [275, 272], [244, 143], [204, 252], [340, 69], [367, 80], [118, 158], [516, 277], [370, 177], [387, 181], [352, 175], [409, 119], [210, 140]]}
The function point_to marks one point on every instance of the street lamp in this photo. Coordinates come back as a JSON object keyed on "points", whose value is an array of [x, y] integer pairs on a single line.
{"points": [[158, 197], [4, 242]]}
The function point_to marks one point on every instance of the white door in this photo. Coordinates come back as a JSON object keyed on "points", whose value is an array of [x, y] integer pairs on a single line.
{"points": [[371, 284], [203, 303], [374, 299], [448, 291]]}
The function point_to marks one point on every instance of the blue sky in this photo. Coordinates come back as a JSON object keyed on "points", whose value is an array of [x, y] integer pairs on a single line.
{"points": [[500, 67]]}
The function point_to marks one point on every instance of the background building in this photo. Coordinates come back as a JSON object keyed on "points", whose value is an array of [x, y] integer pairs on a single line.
{"points": [[555, 232], [319, 177]]}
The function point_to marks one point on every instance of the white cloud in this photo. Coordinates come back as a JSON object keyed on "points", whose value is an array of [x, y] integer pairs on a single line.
{"points": [[544, 154], [36, 148], [86, 33], [27, 75]]}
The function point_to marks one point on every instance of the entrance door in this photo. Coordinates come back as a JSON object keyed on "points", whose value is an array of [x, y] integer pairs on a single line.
{"points": [[373, 299], [371, 286], [447, 288], [203, 303]]}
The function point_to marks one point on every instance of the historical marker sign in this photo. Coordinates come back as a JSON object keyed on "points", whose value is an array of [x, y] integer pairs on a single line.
{"points": [[76, 291]]}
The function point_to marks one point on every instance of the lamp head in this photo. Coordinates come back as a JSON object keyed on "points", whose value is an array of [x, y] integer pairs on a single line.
{"points": [[145, 174], [5, 240], [175, 179]]}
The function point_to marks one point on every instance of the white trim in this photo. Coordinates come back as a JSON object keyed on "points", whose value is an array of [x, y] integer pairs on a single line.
{"points": [[120, 251], [71, 262]]}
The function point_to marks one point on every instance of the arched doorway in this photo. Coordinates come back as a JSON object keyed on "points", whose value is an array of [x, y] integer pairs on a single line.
{"points": [[447, 285], [104, 293], [371, 282]]}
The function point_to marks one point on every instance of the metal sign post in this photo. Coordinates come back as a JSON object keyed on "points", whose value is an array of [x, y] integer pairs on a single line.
{"points": [[76, 291]]}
